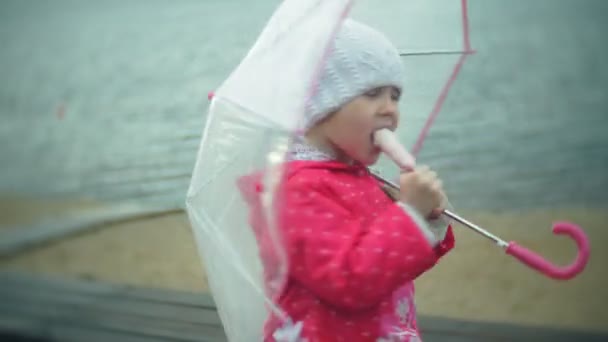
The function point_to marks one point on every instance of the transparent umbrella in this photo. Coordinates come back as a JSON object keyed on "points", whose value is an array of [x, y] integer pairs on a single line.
{"points": [[256, 112]]}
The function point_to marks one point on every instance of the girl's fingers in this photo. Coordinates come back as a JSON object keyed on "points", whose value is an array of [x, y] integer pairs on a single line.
{"points": [[436, 213]]}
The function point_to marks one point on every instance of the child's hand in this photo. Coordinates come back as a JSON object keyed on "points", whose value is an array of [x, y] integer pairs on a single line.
{"points": [[423, 190]]}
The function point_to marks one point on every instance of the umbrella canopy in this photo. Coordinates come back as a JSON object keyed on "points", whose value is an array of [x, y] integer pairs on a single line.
{"points": [[247, 132]]}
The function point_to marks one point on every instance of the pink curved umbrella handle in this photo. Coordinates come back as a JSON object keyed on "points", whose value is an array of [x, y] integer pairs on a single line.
{"points": [[539, 263], [210, 95]]}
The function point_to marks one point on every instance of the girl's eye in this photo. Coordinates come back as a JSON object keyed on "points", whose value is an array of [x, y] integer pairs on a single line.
{"points": [[373, 93], [395, 94]]}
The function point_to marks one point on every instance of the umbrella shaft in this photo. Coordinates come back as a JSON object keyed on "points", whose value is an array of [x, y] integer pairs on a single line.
{"points": [[476, 228], [455, 217]]}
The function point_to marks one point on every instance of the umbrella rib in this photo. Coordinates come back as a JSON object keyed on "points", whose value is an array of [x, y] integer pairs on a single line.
{"points": [[215, 174], [238, 264], [436, 52]]}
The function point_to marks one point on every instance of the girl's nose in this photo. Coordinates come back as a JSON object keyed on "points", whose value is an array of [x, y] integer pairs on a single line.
{"points": [[390, 107]]}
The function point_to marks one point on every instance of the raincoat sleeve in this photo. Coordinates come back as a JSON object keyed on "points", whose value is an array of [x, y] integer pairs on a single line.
{"points": [[435, 231], [346, 259]]}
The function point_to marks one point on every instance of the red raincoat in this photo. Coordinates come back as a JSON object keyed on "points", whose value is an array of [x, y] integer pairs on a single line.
{"points": [[353, 254]]}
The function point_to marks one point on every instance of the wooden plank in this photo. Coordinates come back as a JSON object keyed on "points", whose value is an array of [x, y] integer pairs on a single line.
{"points": [[20, 329], [440, 327], [441, 337], [103, 308], [70, 333], [79, 309], [113, 304], [22, 279], [195, 307], [27, 329], [52, 317]]}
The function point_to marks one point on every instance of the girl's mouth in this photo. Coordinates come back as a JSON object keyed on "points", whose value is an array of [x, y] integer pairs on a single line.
{"points": [[372, 136]]}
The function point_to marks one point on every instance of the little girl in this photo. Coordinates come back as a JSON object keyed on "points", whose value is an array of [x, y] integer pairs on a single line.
{"points": [[354, 249]]}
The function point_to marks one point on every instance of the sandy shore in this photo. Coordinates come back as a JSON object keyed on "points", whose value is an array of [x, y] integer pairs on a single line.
{"points": [[478, 281], [475, 281], [155, 252], [16, 211]]}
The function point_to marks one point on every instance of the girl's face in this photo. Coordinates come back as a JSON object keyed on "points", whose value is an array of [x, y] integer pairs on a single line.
{"points": [[349, 131]]}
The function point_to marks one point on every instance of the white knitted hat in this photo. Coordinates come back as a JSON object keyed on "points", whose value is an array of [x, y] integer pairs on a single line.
{"points": [[360, 59]]}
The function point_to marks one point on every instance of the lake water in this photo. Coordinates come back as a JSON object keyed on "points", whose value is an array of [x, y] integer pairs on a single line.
{"points": [[108, 99]]}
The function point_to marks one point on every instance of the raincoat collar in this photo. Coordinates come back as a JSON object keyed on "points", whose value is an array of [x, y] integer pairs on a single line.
{"points": [[302, 151]]}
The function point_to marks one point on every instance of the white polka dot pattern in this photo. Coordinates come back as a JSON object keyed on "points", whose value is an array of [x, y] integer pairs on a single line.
{"points": [[350, 248]]}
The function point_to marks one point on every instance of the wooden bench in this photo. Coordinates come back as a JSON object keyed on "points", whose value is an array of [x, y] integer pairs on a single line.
{"points": [[79, 310], [44, 308]]}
